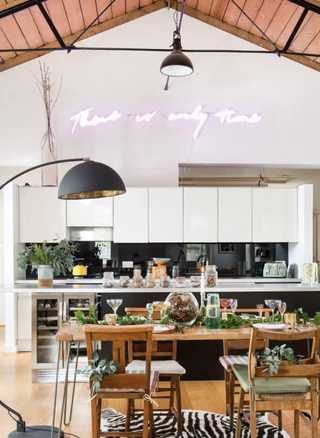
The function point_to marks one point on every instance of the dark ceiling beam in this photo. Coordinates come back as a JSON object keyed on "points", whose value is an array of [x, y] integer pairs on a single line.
{"points": [[17, 7], [295, 30], [312, 6], [50, 23]]}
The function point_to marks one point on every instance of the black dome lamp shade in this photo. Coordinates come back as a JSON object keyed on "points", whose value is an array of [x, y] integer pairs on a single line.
{"points": [[177, 63], [90, 180]]}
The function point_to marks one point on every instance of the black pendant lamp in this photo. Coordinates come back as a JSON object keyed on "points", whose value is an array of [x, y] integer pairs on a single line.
{"points": [[88, 180], [177, 63]]}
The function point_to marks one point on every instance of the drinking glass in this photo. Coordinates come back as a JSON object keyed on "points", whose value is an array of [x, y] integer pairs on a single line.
{"points": [[225, 302], [114, 303], [272, 304], [282, 308], [234, 305], [150, 309], [260, 307]]}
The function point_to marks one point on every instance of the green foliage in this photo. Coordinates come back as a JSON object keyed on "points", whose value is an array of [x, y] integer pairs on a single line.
{"points": [[97, 371], [132, 320], [233, 321], [316, 319], [89, 318], [59, 256], [272, 359], [302, 317], [201, 318], [66, 322]]}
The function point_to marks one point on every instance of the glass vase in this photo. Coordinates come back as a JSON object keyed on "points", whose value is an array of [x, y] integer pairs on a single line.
{"points": [[49, 174]]}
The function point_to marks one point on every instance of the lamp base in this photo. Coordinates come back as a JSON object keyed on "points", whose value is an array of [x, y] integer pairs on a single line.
{"points": [[37, 432]]}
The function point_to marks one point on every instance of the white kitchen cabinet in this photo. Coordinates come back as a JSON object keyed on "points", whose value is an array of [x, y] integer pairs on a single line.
{"points": [[235, 214], [24, 321], [200, 214], [131, 216], [165, 215], [42, 215], [90, 213], [275, 215]]}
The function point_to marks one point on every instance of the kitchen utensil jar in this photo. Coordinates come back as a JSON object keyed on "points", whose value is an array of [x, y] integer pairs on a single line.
{"points": [[211, 276]]}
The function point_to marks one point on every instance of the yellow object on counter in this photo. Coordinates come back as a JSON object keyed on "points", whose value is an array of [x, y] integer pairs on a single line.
{"points": [[159, 270]]}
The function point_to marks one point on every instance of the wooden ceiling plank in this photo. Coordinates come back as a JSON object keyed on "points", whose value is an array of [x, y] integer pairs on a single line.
{"points": [[261, 42], [74, 14], [265, 16], [89, 10], [94, 30], [204, 6], [218, 8], [232, 13], [192, 3], [13, 33], [4, 44], [29, 28], [145, 3], [44, 29], [132, 5], [59, 17], [119, 8], [309, 30], [101, 5], [251, 8], [314, 46], [281, 20], [287, 31]]}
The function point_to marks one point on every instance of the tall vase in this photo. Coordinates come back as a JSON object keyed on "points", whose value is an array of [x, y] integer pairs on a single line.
{"points": [[49, 174], [45, 276]]}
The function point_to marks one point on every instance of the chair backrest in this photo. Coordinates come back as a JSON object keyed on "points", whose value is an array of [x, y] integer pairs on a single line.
{"points": [[163, 349], [119, 335], [311, 365], [234, 345]]}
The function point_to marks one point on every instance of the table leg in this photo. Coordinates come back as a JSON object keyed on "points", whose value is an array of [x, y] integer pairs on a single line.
{"points": [[65, 390], [73, 392], [55, 392]]}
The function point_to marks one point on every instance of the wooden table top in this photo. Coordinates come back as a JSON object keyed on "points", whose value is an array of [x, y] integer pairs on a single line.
{"points": [[75, 333]]}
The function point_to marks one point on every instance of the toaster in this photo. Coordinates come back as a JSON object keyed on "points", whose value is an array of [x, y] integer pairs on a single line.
{"points": [[275, 270]]}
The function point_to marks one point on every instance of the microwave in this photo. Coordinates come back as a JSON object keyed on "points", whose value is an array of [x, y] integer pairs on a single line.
{"points": [[275, 270]]}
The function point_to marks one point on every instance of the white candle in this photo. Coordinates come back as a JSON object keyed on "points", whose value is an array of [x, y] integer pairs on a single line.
{"points": [[202, 283]]}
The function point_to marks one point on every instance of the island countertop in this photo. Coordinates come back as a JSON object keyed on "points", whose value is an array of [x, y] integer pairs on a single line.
{"points": [[221, 288]]}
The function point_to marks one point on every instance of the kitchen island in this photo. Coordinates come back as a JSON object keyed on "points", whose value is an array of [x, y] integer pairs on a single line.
{"points": [[192, 352]]}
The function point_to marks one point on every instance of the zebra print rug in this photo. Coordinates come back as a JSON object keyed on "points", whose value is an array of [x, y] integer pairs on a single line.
{"points": [[196, 424]]}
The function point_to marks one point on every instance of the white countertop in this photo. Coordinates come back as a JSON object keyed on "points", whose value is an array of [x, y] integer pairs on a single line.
{"points": [[97, 288]]}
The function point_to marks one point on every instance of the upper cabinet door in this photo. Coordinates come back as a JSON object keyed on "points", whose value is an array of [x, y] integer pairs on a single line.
{"points": [[90, 213], [275, 215], [131, 216], [235, 214], [42, 215], [200, 218], [165, 215]]}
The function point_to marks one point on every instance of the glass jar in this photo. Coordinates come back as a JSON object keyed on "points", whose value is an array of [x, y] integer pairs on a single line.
{"points": [[211, 276], [124, 281], [195, 281], [213, 316], [149, 267], [150, 281], [182, 308], [108, 280], [137, 270], [137, 281], [165, 281], [180, 282]]}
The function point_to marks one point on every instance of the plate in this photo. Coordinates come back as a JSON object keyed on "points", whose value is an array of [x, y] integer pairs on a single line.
{"points": [[271, 326], [163, 328]]}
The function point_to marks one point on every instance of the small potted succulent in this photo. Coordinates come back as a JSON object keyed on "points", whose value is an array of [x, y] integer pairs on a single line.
{"points": [[50, 261]]}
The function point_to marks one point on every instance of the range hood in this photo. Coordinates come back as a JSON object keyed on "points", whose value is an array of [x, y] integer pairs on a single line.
{"points": [[91, 234]]}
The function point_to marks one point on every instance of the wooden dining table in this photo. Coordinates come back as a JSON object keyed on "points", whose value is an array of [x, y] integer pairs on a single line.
{"points": [[74, 334]]}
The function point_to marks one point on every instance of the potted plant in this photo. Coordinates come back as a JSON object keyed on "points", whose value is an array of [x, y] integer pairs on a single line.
{"points": [[50, 261]]}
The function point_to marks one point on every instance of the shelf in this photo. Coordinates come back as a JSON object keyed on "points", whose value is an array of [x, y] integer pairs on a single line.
{"points": [[79, 308], [46, 347], [47, 328], [47, 309], [47, 318]]}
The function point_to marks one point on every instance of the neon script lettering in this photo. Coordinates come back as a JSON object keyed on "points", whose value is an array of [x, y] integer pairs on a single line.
{"points": [[198, 115]]}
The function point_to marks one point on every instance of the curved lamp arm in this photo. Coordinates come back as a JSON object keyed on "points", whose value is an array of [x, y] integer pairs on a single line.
{"points": [[43, 165]]}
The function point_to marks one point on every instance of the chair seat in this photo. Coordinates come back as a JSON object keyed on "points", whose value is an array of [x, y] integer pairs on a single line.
{"points": [[228, 361], [162, 366], [154, 377], [272, 386]]}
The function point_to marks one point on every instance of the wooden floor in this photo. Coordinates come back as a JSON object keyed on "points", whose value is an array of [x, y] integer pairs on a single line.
{"points": [[34, 401]]}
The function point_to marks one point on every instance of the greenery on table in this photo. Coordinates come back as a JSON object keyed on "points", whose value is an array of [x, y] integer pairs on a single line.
{"points": [[59, 256], [273, 358], [201, 318], [233, 321], [97, 371], [90, 317]]}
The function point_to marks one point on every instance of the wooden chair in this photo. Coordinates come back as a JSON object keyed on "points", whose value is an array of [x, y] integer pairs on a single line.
{"points": [[168, 368], [116, 386], [232, 386], [293, 388]]}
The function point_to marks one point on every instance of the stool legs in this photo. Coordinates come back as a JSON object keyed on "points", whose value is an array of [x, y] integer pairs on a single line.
{"points": [[178, 404]]}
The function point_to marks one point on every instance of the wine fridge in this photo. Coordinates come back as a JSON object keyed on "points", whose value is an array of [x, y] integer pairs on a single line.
{"points": [[49, 310]]}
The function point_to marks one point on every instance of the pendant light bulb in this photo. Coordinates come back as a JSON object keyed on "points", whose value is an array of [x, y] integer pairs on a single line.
{"points": [[176, 64]]}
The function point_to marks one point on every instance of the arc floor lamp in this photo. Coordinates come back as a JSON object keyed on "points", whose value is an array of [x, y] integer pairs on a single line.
{"points": [[88, 180]]}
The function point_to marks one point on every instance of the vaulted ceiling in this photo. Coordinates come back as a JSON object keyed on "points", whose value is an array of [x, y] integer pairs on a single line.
{"points": [[287, 28]]}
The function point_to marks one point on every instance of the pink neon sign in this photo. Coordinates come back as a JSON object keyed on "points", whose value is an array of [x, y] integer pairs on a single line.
{"points": [[82, 118]]}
